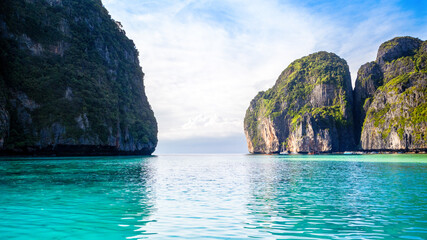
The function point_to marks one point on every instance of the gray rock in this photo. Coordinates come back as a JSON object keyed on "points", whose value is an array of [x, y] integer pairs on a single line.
{"points": [[369, 78], [72, 84], [391, 99], [309, 109], [397, 48]]}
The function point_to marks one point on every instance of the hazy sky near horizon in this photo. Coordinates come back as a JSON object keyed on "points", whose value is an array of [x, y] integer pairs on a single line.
{"points": [[205, 60]]}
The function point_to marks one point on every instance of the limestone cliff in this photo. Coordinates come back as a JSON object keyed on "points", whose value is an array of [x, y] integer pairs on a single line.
{"points": [[70, 82], [309, 109], [391, 92], [369, 78]]}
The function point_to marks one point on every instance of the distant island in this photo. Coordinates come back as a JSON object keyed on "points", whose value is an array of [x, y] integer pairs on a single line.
{"points": [[312, 108], [70, 82]]}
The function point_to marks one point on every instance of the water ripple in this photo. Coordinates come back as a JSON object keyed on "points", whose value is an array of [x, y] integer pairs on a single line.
{"points": [[215, 196]]}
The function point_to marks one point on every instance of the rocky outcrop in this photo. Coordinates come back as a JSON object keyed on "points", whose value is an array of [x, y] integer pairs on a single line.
{"points": [[390, 97], [267, 133], [369, 78], [70, 82], [397, 48], [309, 109], [4, 115]]}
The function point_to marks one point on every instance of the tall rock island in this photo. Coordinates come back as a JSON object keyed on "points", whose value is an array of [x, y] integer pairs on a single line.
{"points": [[70, 82], [312, 107], [390, 97], [308, 110]]}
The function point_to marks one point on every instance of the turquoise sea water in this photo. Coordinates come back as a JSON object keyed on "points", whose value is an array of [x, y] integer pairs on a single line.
{"points": [[214, 197]]}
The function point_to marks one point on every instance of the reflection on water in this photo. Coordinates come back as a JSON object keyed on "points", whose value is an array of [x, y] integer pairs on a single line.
{"points": [[215, 196], [332, 200], [88, 198]]}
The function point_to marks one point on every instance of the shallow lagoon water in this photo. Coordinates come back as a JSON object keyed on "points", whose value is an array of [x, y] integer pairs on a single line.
{"points": [[215, 197]]}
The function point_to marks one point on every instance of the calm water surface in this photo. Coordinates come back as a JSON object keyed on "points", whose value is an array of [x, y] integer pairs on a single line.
{"points": [[215, 197]]}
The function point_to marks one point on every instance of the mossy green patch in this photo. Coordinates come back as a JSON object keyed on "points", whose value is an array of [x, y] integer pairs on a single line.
{"points": [[404, 97], [419, 114], [378, 116], [83, 50], [289, 99]]}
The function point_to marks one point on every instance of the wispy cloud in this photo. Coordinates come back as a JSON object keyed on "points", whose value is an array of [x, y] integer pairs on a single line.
{"points": [[205, 60]]}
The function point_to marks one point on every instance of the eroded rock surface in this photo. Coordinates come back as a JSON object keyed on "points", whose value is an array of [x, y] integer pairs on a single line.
{"points": [[70, 82], [393, 93], [309, 109]]}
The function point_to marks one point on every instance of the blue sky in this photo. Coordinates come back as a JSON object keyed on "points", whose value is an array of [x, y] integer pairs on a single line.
{"points": [[205, 60]]}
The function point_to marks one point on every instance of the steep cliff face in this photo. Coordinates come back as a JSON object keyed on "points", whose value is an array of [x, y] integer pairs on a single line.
{"points": [[71, 81], [309, 109], [369, 78], [4, 114], [392, 94]]}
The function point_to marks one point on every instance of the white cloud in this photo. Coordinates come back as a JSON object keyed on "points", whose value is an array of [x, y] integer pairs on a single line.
{"points": [[205, 60]]}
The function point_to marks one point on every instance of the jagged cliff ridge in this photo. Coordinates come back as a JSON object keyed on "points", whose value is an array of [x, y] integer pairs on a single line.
{"points": [[390, 97], [309, 109], [70, 82]]}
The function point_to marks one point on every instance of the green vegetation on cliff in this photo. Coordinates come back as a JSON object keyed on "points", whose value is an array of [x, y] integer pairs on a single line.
{"points": [[317, 85], [312, 105], [80, 73], [396, 115], [297, 82]]}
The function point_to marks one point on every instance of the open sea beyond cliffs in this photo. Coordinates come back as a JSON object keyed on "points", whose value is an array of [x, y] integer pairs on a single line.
{"points": [[215, 197]]}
